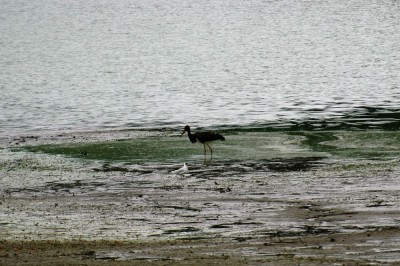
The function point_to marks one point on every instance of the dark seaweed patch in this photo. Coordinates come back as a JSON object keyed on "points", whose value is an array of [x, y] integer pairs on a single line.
{"points": [[294, 164], [58, 187], [306, 231], [179, 208], [188, 229], [112, 168], [275, 165], [220, 226], [315, 230]]}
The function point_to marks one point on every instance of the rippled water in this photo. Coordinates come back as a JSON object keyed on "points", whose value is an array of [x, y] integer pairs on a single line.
{"points": [[114, 64]]}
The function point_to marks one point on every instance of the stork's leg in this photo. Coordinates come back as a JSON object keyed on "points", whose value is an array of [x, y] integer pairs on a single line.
{"points": [[210, 149], [205, 154]]}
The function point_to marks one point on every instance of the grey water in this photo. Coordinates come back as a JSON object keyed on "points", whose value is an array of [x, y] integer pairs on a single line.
{"points": [[96, 64]]}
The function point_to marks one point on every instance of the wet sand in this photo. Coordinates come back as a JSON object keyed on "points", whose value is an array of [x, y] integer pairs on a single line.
{"points": [[307, 210]]}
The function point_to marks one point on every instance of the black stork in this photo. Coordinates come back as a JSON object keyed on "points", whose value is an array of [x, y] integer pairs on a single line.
{"points": [[202, 137]]}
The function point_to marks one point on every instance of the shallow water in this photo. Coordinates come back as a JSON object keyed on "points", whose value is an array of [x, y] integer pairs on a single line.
{"points": [[101, 64]]}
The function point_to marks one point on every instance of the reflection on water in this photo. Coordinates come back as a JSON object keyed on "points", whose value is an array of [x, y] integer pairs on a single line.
{"points": [[99, 64]]}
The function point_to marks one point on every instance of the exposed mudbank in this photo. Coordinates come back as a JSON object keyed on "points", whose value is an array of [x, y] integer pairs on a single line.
{"points": [[264, 197]]}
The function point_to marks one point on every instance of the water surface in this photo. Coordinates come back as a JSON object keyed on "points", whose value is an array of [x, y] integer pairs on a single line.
{"points": [[116, 64]]}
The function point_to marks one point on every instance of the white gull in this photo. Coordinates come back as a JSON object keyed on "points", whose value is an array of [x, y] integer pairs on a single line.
{"points": [[181, 170]]}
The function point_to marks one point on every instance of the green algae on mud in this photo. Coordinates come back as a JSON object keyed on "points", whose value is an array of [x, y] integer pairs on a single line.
{"points": [[138, 150], [175, 149], [354, 144], [238, 146]]}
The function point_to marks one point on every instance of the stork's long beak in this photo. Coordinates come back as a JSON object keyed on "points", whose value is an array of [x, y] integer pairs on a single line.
{"points": [[183, 133]]}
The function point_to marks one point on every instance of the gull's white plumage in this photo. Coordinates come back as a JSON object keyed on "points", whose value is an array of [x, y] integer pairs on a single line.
{"points": [[181, 170]]}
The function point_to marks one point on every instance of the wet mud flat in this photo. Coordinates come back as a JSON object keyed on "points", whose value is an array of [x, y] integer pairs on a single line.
{"points": [[295, 206]]}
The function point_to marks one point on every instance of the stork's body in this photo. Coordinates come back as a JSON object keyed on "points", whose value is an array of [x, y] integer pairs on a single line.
{"points": [[203, 137]]}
